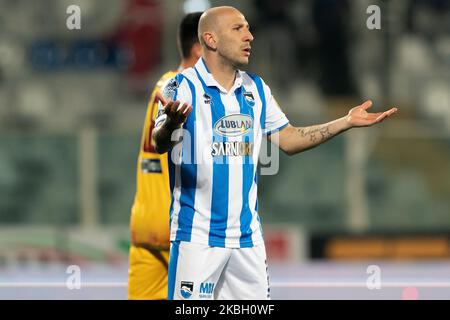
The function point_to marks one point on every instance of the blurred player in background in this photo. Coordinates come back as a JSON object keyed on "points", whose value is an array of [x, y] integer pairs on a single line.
{"points": [[217, 247], [149, 225]]}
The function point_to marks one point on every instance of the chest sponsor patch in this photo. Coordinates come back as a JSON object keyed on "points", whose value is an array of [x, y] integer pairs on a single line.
{"points": [[234, 125], [151, 166]]}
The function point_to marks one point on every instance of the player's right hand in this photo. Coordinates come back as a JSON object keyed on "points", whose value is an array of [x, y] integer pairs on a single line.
{"points": [[176, 114]]}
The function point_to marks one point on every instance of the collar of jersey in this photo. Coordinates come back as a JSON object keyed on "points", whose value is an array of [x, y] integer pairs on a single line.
{"points": [[209, 80]]}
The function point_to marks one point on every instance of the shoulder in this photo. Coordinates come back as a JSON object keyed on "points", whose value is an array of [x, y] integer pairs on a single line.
{"points": [[179, 85], [170, 83], [165, 78], [184, 81], [178, 79], [189, 74]]}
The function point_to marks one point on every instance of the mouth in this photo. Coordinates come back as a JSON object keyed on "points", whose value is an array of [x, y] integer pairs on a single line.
{"points": [[247, 51]]}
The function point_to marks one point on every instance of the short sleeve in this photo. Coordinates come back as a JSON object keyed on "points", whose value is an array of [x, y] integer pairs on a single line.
{"points": [[174, 89], [275, 117]]}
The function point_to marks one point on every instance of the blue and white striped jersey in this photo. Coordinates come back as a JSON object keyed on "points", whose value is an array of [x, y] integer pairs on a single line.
{"points": [[213, 175]]}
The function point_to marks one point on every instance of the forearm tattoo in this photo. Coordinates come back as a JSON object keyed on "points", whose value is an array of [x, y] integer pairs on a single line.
{"points": [[316, 134]]}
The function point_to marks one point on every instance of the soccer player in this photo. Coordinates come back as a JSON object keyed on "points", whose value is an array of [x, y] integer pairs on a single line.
{"points": [[217, 247], [149, 225]]}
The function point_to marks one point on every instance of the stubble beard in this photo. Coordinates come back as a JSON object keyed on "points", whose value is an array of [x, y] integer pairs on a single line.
{"points": [[227, 59]]}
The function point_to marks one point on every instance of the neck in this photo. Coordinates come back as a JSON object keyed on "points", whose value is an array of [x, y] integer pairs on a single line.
{"points": [[223, 72]]}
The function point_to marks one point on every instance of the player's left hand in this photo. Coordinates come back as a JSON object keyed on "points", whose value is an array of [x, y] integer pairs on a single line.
{"points": [[359, 117]]}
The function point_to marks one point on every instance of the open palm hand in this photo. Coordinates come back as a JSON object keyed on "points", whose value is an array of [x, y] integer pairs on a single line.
{"points": [[359, 117]]}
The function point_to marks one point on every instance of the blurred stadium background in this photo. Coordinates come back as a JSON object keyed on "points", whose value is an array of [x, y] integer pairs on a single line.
{"points": [[72, 104]]}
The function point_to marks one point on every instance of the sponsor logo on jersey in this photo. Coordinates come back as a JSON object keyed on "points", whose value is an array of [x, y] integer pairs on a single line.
{"points": [[234, 125], [206, 289], [151, 166], [187, 287], [232, 148]]}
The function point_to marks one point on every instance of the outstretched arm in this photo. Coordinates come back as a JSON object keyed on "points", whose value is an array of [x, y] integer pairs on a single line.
{"points": [[293, 140]]}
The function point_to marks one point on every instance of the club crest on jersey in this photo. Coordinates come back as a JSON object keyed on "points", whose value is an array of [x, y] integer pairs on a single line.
{"points": [[248, 96], [187, 287], [170, 89], [234, 125]]}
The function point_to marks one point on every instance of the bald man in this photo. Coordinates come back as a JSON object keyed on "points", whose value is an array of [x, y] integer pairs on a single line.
{"points": [[212, 121]]}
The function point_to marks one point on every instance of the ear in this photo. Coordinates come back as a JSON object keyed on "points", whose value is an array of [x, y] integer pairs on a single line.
{"points": [[210, 40]]}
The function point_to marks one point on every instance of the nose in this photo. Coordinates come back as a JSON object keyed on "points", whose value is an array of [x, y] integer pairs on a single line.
{"points": [[248, 36]]}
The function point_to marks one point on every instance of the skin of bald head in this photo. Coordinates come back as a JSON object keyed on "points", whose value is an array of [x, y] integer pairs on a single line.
{"points": [[225, 36]]}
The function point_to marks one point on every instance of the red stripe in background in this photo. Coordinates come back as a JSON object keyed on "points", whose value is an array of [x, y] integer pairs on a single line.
{"points": [[148, 147]]}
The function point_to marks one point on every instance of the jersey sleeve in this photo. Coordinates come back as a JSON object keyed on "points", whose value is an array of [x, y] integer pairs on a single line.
{"points": [[275, 117], [174, 89]]}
